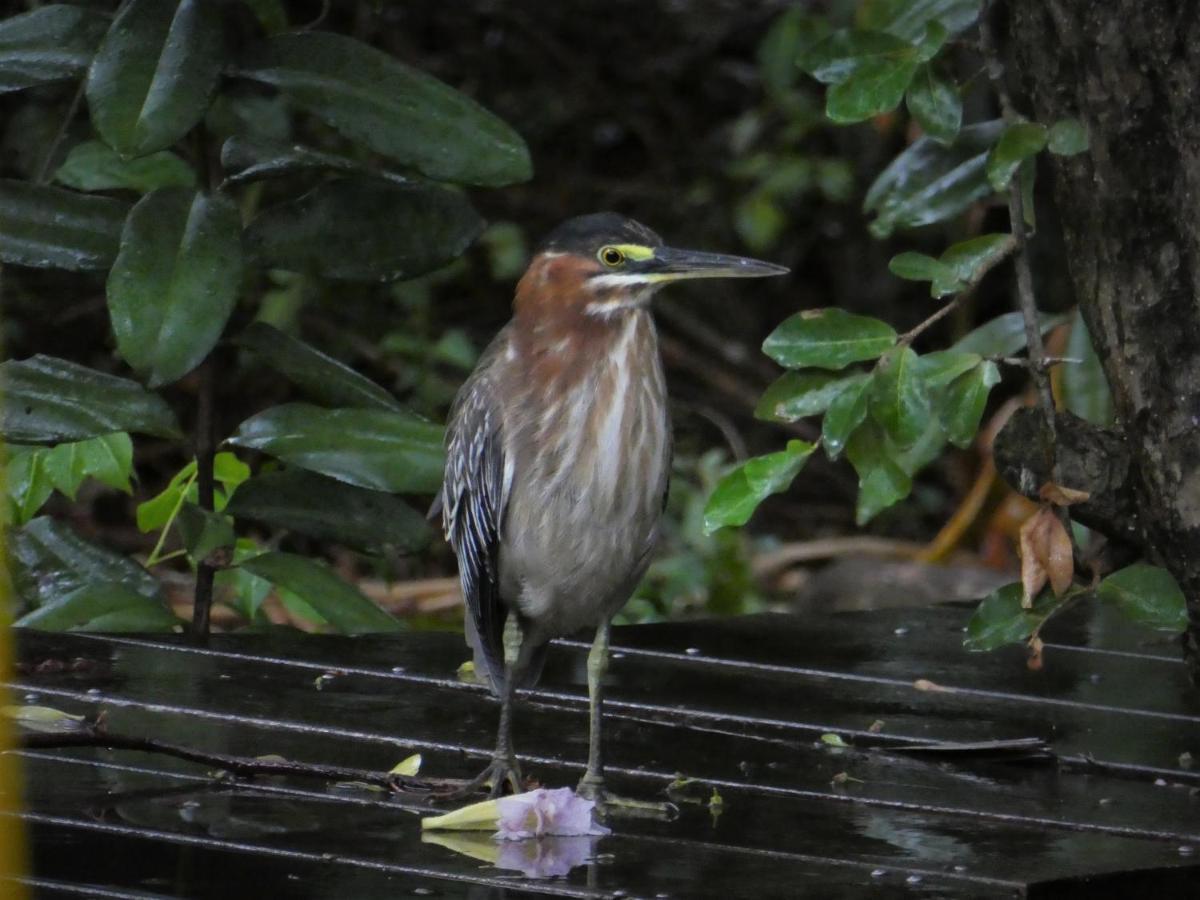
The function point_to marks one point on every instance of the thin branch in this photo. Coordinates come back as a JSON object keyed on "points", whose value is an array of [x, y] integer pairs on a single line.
{"points": [[1026, 363], [205, 455], [95, 735], [1009, 247]]}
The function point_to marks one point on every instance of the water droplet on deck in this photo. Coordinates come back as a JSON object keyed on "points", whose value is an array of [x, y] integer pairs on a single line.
{"points": [[878, 873], [1186, 850], [914, 879], [692, 651], [396, 670], [901, 631]]}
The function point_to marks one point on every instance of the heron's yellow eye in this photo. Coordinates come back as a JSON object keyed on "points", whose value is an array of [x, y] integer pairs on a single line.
{"points": [[611, 256]]}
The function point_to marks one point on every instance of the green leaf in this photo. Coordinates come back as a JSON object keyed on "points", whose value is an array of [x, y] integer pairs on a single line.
{"points": [[740, 492], [935, 104], [941, 367], [828, 339], [999, 619], [50, 228], [154, 73], [1148, 595], [1004, 335], [44, 719], [961, 406], [963, 263], [1020, 141], [325, 379], [788, 37], [917, 267], [94, 166], [50, 561], [868, 70], [47, 400], [175, 281], [27, 483], [397, 111], [109, 458], [244, 592], [53, 43], [1085, 389], [340, 604], [366, 229], [101, 607], [156, 512], [799, 394], [847, 411], [229, 471], [1067, 137], [899, 398], [377, 449], [881, 480], [203, 532], [250, 158], [331, 510], [931, 182], [909, 19]]}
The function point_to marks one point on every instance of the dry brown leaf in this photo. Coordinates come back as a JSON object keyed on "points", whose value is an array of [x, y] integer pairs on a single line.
{"points": [[1060, 495], [876, 726], [1045, 548]]}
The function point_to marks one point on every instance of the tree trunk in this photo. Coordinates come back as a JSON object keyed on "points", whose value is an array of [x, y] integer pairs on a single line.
{"points": [[1130, 208]]}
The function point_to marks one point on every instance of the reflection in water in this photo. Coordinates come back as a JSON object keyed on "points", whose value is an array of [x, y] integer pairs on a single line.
{"points": [[551, 856]]}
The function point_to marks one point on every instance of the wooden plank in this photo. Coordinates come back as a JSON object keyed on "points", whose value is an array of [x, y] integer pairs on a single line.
{"points": [[908, 817]]}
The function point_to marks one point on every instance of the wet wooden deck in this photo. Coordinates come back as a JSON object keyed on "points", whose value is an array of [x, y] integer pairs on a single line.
{"points": [[740, 704]]}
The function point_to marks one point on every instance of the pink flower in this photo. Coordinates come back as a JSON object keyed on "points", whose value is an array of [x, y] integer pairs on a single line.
{"points": [[541, 812]]}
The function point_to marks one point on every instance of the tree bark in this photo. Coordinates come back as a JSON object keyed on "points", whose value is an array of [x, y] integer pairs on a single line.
{"points": [[1130, 208]]}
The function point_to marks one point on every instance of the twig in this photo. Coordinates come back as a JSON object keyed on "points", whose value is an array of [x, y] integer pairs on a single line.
{"points": [[1016, 215], [1025, 363], [1009, 247], [44, 169], [205, 455], [96, 736], [767, 564]]}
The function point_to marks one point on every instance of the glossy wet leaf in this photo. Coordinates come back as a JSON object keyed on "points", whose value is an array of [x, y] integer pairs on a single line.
{"points": [[95, 166], [798, 394], [33, 473], [1085, 389], [102, 607], [941, 367], [962, 404], [846, 412], [964, 263], [331, 510], [740, 492], [1020, 141], [881, 480], [325, 379], [47, 400], [1067, 137], [203, 532], [250, 158], [1000, 618], [1003, 335], [43, 719], [156, 512], [935, 104], [365, 229], [910, 18], [395, 110], [154, 73], [175, 281], [338, 603], [377, 449], [1148, 595], [410, 766], [868, 72], [913, 266], [899, 399], [931, 182], [50, 561], [52, 43], [52, 228], [828, 339]]}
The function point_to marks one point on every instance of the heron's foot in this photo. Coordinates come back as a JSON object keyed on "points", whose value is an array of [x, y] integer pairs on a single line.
{"points": [[503, 771]]}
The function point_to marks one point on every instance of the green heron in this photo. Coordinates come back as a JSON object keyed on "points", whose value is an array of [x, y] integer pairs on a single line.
{"points": [[557, 456]]}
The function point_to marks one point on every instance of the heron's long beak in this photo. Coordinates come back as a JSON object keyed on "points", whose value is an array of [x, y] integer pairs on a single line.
{"points": [[670, 264]]}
